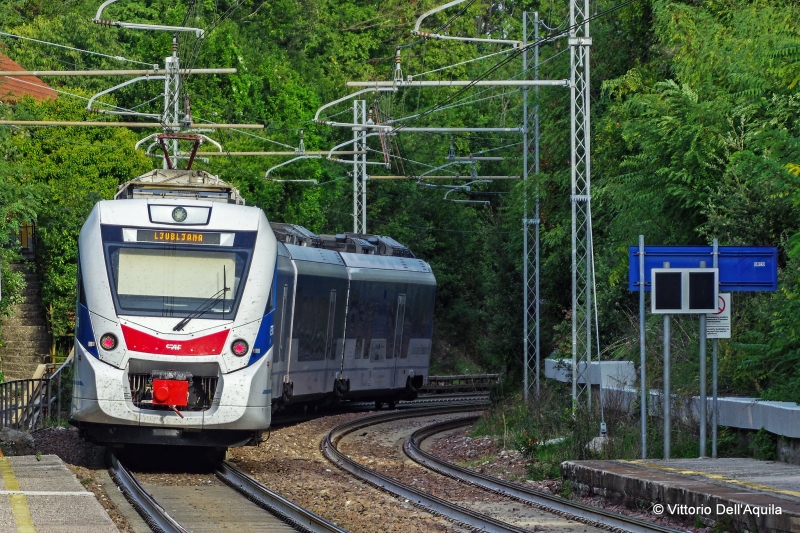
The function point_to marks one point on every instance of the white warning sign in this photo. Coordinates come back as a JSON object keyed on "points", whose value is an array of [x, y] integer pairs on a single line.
{"points": [[718, 325]]}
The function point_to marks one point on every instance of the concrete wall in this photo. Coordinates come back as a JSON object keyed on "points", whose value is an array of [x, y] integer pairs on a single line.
{"points": [[780, 418]]}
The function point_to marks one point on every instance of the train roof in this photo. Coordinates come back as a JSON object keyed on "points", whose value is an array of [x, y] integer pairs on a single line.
{"points": [[184, 184], [167, 184], [140, 213], [349, 243]]}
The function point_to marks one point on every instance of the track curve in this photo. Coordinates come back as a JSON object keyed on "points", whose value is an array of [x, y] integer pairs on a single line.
{"points": [[468, 517], [522, 493]]}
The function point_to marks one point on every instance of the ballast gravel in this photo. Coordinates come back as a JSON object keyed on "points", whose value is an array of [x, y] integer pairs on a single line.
{"points": [[380, 447], [290, 462], [488, 456]]}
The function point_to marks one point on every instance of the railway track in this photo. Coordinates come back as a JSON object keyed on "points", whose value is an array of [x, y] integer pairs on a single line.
{"points": [[558, 508], [595, 515], [243, 505], [285, 419]]}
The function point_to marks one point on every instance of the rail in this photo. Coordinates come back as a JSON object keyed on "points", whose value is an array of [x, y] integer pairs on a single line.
{"points": [[552, 503], [437, 505], [27, 404], [152, 513], [459, 383], [286, 510]]}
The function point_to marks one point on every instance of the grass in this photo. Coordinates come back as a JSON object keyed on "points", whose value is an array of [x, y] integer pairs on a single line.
{"points": [[548, 433]]}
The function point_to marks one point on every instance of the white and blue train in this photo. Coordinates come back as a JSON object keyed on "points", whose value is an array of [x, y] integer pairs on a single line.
{"points": [[197, 319]]}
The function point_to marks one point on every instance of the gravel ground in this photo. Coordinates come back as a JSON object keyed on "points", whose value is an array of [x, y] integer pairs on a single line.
{"points": [[291, 463], [487, 455], [380, 448]]}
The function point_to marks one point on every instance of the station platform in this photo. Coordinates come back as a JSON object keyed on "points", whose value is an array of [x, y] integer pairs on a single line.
{"points": [[741, 494], [43, 496]]}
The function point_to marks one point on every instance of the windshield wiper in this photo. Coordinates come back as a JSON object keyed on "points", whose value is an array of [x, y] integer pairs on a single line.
{"points": [[208, 303], [202, 308]]}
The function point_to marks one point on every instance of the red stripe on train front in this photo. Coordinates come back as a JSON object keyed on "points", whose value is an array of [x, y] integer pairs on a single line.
{"points": [[142, 342]]}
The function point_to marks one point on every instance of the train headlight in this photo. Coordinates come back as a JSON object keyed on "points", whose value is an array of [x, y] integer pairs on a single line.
{"points": [[108, 341], [179, 214], [239, 348]]}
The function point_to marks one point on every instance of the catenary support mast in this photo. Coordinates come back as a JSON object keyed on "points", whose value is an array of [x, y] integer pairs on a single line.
{"points": [[360, 167], [530, 226], [582, 286]]}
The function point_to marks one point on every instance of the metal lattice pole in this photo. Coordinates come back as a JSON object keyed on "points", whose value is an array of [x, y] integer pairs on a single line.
{"points": [[531, 238], [360, 168], [172, 90], [580, 43]]}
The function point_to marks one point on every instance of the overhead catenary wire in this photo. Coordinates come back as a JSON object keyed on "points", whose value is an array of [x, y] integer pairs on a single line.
{"points": [[517, 52], [117, 58], [247, 133], [414, 76], [466, 100]]}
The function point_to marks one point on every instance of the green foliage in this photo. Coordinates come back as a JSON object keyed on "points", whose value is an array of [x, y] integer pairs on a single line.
{"points": [[18, 205], [695, 136], [765, 445], [64, 173]]}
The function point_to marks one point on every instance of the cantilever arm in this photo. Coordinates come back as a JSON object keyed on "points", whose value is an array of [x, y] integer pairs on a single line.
{"points": [[426, 14], [351, 141], [138, 26], [114, 88], [266, 176], [344, 99], [426, 35]]}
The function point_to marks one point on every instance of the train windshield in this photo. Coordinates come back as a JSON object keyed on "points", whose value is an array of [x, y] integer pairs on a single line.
{"points": [[176, 282]]}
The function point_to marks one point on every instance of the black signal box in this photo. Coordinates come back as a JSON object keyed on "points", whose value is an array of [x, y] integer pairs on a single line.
{"points": [[685, 290]]}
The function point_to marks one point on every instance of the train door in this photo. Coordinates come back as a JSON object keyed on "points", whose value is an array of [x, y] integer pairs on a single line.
{"points": [[279, 355], [330, 342], [397, 341]]}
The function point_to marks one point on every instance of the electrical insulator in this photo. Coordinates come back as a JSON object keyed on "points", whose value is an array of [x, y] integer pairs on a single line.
{"points": [[398, 70]]}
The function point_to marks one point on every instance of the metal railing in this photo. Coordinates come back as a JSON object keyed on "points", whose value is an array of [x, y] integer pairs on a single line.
{"points": [[459, 383], [27, 404]]}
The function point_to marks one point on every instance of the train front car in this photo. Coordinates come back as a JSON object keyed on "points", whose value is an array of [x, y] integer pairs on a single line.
{"points": [[173, 330]]}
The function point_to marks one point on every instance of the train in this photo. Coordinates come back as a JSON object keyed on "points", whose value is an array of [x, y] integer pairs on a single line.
{"points": [[197, 319]]}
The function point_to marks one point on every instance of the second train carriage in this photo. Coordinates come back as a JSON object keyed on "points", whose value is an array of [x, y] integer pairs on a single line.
{"points": [[354, 318], [314, 318]]}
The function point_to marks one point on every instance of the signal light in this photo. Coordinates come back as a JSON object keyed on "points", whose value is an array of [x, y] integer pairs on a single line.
{"points": [[239, 348], [179, 214], [108, 342]]}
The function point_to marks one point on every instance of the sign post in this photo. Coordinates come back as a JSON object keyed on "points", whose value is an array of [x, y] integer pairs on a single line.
{"points": [[683, 291], [703, 378], [642, 364], [667, 384], [714, 367], [688, 289]]}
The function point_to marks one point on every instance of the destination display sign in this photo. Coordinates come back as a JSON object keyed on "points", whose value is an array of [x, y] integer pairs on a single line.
{"points": [[177, 237], [741, 268]]}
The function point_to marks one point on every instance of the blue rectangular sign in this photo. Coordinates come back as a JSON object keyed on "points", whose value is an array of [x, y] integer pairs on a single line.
{"points": [[741, 268]]}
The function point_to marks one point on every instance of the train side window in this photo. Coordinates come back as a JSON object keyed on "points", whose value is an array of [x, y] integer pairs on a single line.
{"points": [[81, 289], [329, 350], [282, 339], [270, 302], [398, 327]]}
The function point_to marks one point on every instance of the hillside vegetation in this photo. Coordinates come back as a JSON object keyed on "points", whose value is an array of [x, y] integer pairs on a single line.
{"points": [[695, 135]]}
